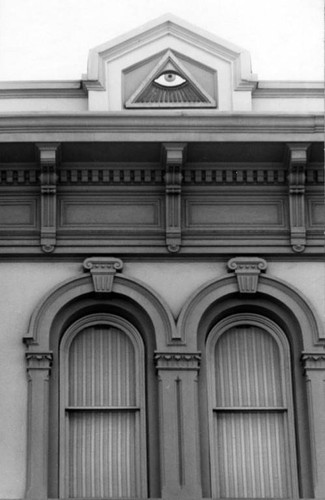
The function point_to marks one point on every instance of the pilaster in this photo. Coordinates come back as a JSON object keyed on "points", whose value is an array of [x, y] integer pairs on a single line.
{"points": [[297, 163], [48, 158], [38, 371], [173, 157], [314, 364], [177, 374]]}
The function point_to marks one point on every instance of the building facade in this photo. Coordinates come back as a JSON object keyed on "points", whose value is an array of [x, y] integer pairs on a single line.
{"points": [[162, 276]]}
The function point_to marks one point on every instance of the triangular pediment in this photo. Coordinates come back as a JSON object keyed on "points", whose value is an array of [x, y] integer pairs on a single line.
{"points": [[170, 85]]}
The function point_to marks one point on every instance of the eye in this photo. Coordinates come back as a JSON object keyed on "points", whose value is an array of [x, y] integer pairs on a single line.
{"points": [[169, 79]]}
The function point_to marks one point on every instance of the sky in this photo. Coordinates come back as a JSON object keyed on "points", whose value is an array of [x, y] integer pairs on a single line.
{"points": [[50, 39]]}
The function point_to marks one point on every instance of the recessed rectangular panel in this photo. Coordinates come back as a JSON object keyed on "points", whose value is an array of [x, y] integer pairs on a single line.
{"points": [[18, 214], [234, 213], [316, 213], [117, 213]]}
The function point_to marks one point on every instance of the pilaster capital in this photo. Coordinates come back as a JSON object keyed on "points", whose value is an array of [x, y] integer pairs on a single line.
{"points": [[313, 361], [103, 270], [39, 360], [247, 270], [177, 361]]}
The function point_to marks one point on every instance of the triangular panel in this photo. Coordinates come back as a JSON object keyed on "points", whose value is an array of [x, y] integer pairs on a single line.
{"points": [[170, 85]]}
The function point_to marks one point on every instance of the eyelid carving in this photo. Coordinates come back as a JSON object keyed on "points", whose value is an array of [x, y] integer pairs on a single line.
{"points": [[170, 79]]}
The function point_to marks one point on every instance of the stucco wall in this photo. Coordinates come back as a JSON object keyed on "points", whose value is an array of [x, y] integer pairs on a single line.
{"points": [[24, 284]]}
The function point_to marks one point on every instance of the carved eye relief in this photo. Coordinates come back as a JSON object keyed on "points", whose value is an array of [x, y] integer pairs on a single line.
{"points": [[169, 79]]}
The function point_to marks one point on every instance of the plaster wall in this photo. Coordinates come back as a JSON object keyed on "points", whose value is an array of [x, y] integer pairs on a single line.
{"points": [[292, 105], [24, 284], [40, 104]]}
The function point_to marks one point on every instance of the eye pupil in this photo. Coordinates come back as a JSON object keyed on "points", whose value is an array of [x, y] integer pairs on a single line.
{"points": [[170, 77]]}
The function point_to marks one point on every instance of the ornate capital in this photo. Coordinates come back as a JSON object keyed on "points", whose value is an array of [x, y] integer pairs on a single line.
{"points": [[313, 360], [247, 270], [39, 360], [173, 156], [103, 270], [177, 361]]}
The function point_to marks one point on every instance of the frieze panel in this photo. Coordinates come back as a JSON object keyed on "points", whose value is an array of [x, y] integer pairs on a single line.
{"points": [[233, 212]]}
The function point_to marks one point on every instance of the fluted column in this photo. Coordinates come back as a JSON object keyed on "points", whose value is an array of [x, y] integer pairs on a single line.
{"points": [[179, 424], [38, 371], [314, 364]]}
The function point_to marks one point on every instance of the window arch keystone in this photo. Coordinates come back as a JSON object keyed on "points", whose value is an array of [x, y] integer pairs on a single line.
{"points": [[247, 271], [103, 270]]}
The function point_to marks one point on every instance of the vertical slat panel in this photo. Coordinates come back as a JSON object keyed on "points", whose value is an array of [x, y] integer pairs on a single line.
{"points": [[102, 455], [103, 448], [101, 369], [251, 455], [249, 445], [247, 369]]}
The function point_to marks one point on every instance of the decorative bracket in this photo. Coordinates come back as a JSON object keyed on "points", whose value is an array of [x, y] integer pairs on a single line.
{"points": [[247, 270], [48, 158], [173, 157], [103, 270], [297, 162]]}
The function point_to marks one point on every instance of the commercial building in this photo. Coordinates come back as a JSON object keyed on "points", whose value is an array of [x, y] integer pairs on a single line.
{"points": [[162, 277]]}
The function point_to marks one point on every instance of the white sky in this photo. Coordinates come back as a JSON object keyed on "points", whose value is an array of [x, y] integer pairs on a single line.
{"points": [[50, 39]]}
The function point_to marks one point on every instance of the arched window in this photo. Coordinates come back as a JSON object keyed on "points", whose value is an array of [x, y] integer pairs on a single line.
{"points": [[102, 410], [251, 422]]}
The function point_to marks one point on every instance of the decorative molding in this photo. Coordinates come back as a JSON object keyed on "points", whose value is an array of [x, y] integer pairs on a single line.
{"points": [[173, 158], [177, 361], [12, 175], [247, 270], [103, 270], [297, 157], [162, 126], [313, 360], [49, 159], [65, 89]]}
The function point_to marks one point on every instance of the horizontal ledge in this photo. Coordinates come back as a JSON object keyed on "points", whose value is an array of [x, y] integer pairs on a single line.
{"points": [[247, 409], [102, 408]]}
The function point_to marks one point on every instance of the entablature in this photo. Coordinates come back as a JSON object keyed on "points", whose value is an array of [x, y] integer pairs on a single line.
{"points": [[157, 198]]}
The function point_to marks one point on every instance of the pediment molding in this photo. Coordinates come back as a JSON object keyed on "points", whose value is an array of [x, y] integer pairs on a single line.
{"points": [[171, 27]]}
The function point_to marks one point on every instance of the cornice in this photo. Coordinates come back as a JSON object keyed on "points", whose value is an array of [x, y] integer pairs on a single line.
{"points": [[289, 89], [66, 89], [161, 126]]}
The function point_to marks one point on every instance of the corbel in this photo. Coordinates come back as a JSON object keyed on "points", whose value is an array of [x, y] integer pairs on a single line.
{"points": [[297, 163], [48, 158], [173, 159], [247, 271], [103, 270]]}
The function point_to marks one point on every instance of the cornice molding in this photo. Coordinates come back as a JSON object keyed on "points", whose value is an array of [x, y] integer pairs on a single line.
{"points": [[289, 89], [45, 89], [159, 126]]}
